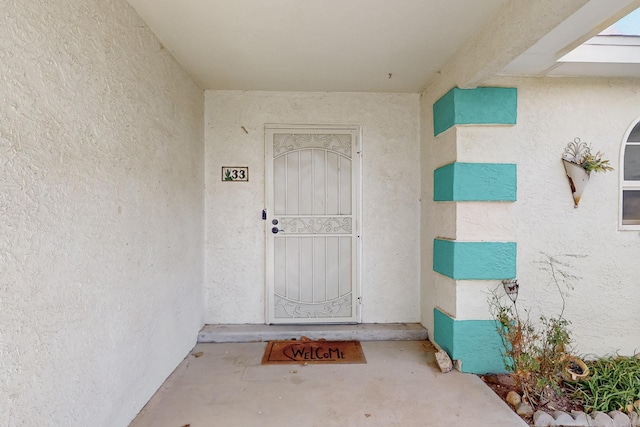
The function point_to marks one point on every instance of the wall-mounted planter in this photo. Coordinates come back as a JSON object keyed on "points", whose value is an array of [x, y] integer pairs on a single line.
{"points": [[578, 178], [579, 162]]}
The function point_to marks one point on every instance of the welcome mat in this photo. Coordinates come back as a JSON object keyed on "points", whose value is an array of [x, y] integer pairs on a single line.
{"points": [[308, 351]]}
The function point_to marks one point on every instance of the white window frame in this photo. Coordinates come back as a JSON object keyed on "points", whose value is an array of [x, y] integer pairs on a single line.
{"points": [[627, 185]]}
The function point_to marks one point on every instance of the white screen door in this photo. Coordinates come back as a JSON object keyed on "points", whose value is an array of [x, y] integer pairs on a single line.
{"points": [[312, 199]]}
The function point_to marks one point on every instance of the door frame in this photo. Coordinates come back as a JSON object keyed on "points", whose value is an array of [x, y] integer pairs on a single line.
{"points": [[356, 172]]}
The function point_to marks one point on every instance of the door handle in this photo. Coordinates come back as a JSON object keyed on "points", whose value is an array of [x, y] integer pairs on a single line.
{"points": [[275, 230]]}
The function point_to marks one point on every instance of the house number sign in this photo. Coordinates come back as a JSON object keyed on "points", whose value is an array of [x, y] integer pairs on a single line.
{"points": [[235, 173]]}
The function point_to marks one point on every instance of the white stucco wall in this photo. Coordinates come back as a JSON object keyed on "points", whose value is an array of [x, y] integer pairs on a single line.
{"points": [[600, 300], [235, 239], [516, 28], [101, 224], [437, 220], [551, 113]]}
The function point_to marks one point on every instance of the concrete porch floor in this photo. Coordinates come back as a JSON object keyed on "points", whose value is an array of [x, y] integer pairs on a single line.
{"points": [[400, 385]]}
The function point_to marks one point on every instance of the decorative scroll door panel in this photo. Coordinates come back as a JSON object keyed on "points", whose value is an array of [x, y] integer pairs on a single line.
{"points": [[312, 223]]}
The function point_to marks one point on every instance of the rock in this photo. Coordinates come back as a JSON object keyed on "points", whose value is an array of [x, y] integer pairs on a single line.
{"points": [[542, 419], [635, 419], [502, 379], [524, 410], [442, 358], [564, 419], [620, 419], [581, 417], [491, 379], [513, 399], [506, 380], [600, 419], [444, 361]]}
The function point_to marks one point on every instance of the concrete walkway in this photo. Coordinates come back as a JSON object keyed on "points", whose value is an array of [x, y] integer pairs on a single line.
{"points": [[400, 385]]}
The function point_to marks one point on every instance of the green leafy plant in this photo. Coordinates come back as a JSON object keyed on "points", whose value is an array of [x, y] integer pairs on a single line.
{"points": [[579, 152], [595, 162], [614, 384]]}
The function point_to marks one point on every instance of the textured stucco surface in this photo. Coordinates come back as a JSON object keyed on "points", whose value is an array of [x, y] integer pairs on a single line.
{"points": [[471, 182], [101, 224], [437, 219], [482, 105], [235, 239], [600, 300], [463, 338], [518, 26], [474, 260]]}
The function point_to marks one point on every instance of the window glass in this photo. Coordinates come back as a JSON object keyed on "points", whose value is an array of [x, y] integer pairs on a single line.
{"points": [[631, 207], [630, 181], [634, 136], [632, 163]]}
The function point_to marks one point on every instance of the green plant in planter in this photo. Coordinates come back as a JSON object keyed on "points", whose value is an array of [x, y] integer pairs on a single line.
{"points": [[595, 162], [579, 152]]}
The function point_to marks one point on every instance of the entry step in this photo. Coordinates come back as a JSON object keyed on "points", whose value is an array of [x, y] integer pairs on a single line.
{"points": [[359, 332]]}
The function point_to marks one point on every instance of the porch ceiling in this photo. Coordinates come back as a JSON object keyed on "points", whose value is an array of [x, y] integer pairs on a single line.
{"points": [[338, 45]]}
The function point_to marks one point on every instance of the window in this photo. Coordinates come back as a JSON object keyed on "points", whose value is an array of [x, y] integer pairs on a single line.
{"points": [[630, 179]]}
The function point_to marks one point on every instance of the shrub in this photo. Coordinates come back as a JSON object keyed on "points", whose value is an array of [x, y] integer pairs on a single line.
{"points": [[534, 354]]}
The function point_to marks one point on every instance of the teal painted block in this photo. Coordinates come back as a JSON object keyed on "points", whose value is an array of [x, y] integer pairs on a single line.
{"points": [[444, 112], [475, 342], [478, 344], [476, 182], [443, 330], [475, 260], [482, 105], [444, 183], [444, 257]]}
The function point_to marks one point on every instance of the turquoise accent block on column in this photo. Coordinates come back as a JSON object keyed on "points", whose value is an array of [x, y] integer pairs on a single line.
{"points": [[475, 182], [475, 260], [475, 342], [482, 105]]}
